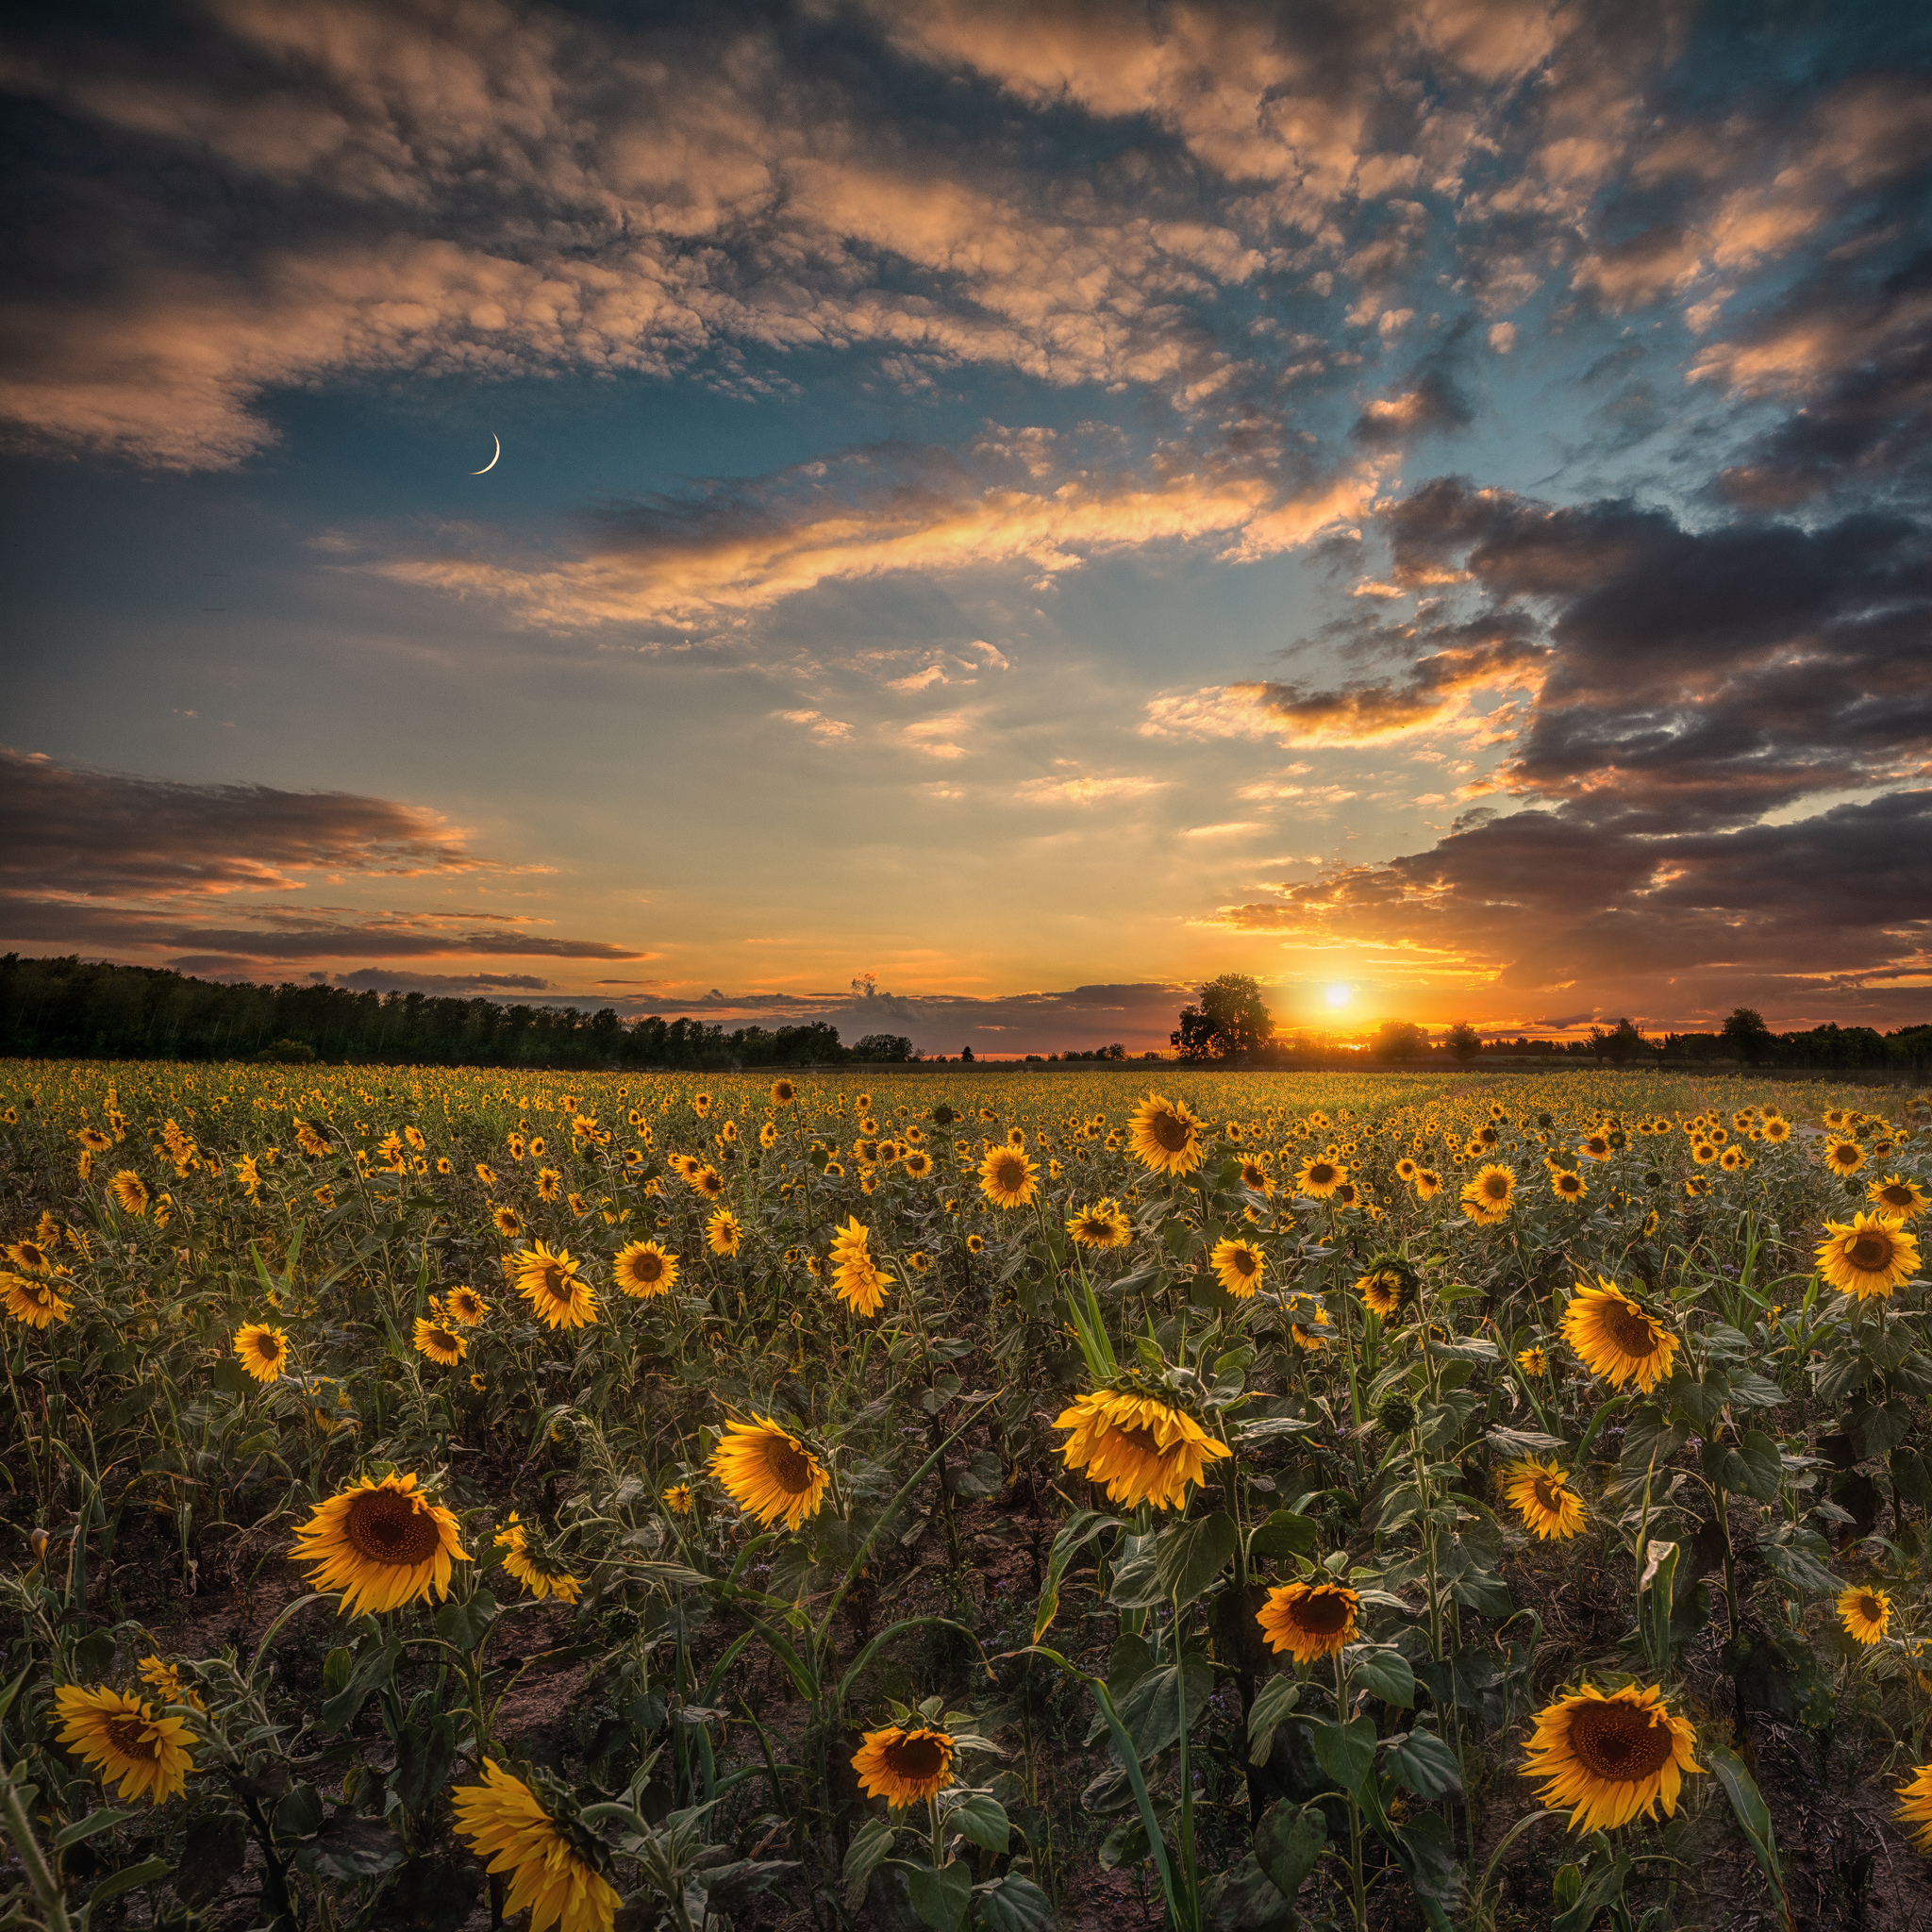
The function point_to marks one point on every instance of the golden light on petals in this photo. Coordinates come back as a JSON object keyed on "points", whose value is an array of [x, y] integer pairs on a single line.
{"points": [[1607, 1757], [1914, 1809], [1144, 1450], [121, 1737], [1615, 1337], [382, 1543], [1309, 1621], [262, 1350], [1539, 1494], [1870, 1254], [1007, 1178], [551, 1283], [1866, 1613], [1164, 1135], [505, 1826], [643, 1269], [1238, 1266], [768, 1471], [904, 1766]]}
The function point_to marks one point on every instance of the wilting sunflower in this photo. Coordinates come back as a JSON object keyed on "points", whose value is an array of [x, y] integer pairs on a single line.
{"points": [[1486, 1199], [1144, 1451], [262, 1350], [130, 1191], [1309, 1621], [383, 1544], [1539, 1494], [643, 1269], [1610, 1757], [1320, 1178], [767, 1470], [439, 1342], [723, 1235], [1915, 1802], [120, 1736], [34, 1302], [1381, 1290], [553, 1875], [1897, 1194], [1865, 1613], [1164, 1135], [551, 1283], [1566, 1186], [1007, 1178], [904, 1766], [1868, 1254], [1616, 1339], [1102, 1226], [534, 1566], [466, 1305], [1237, 1267], [508, 1223]]}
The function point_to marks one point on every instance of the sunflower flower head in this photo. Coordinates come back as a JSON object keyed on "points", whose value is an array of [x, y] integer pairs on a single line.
{"points": [[1864, 1612], [644, 1269], [552, 1285], [552, 1868], [1143, 1448], [1238, 1266], [121, 1737], [856, 1276], [1870, 1254], [383, 1543], [1164, 1135], [1539, 1494], [1609, 1756], [262, 1350], [768, 1471], [1309, 1621], [534, 1564], [1102, 1226], [905, 1765], [1007, 1178], [1616, 1339]]}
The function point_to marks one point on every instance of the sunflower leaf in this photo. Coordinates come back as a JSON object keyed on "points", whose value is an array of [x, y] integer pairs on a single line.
{"points": [[1384, 1673], [941, 1897], [868, 1850], [1273, 1704], [1192, 1555], [1012, 1904], [1345, 1751]]}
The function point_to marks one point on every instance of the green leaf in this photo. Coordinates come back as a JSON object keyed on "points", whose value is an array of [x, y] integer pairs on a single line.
{"points": [[214, 1848], [1345, 1751], [1516, 1443], [352, 1847], [128, 1879], [1283, 1534], [870, 1848], [1246, 1900], [465, 1626], [1753, 1816], [1276, 1699], [373, 1667], [982, 1475], [1793, 1556], [941, 1897], [1384, 1673], [1192, 1554], [1752, 1469], [1584, 1899], [1151, 1711], [1422, 1763], [1288, 1843], [1650, 1439], [1428, 1856], [1012, 1904], [983, 1819], [299, 1815], [1136, 1584], [84, 1828]]}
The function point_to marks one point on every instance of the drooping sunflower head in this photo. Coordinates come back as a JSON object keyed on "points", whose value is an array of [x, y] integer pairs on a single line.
{"points": [[1870, 1254], [1897, 1194], [1384, 1287], [1865, 1612], [903, 1766], [1539, 1492], [383, 1543], [722, 1233], [1309, 1621], [768, 1471], [1145, 1450], [551, 1867], [121, 1737], [439, 1342], [1238, 1266], [262, 1350], [33, 1300], [1610, 1757], [552, 1285], [1164, 1135], [1007, 1178], [130, 1192], [466, 1305], [708, 1182], [1616, 1339], [529, 1559], [643, 1269]]}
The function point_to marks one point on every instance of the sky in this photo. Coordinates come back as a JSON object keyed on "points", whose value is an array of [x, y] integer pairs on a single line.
{"points": [[1001, 513]]}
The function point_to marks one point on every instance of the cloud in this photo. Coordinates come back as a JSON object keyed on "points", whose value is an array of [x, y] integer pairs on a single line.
{"points": [[381, 979], [1084, 789], [826, 730]]}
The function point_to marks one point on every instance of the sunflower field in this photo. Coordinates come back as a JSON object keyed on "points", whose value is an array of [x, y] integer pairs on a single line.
{"points": [[965, 1500]]}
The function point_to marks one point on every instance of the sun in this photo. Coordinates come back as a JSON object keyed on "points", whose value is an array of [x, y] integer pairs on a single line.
{"points": [[1338, 995]]}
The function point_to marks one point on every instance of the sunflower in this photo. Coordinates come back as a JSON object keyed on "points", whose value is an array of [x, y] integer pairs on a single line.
{"points": [[1237, 1267], [917, 1163], [1256, 1179], [466, 1305], [551, 1283], [1318, 1179], [1616, 1339], [164, 1680], [856, 1275], [1007, 1178], [722, 1233], [93, 1139], [644, 1269], [1595, 1147], [505, 1824], [1844, 1157], [33, 1302], [1704, 1152], [439, 1342], [1486, 1199], [535, 1567], [1164, 1135], [263, 1351], [1915, 1802], [1144, 1451], [767, 1470], [130, 1191], [1566, 1186], [1309, 1621], [706, 1181], [1405, 1170], [678, 1499], [508, 1223], [1868, 1254], [1102, 1226], [1896, 1195], [904, 1766], [1776, 1131], [1429, 1184], [975, 1244], [1532, 1361], [1537, 1493], [31, 1255], [120, 1736], [383, 1544], [1865, 1613], [1381, 1290], [1610, 1757], [783, 1092]]}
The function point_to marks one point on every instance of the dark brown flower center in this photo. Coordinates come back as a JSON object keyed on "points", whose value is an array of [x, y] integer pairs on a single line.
{"points": [[1618, 1742], [1009, 1172], [1631, 1329], [1243, 1261], [1548, 1492], [1320, 1173], [125, 1735], [267, 1347], [1870, 1608], [1323, 1614], [551, 1280], [1896, 1197], [1140, 1439], [918, 1757], [788, 1465], [386, 1526], [1496, 1187], [1870, 1252], [1170, 1131]]}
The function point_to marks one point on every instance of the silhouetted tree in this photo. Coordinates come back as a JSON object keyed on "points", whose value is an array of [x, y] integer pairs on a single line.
{"points": [[1399, 1039], [1463, 1041], [1746, 1035], [1231, 1019]]}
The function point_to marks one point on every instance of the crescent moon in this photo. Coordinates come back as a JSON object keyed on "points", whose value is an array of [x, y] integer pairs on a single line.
{"points": [[491, 464]]}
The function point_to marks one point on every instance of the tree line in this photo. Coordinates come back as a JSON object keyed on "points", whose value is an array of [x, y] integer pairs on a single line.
{"points": [[65, 1007]]}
